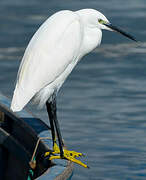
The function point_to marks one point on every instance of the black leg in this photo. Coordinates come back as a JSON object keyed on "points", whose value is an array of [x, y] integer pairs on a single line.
{"points": [[51, 117], [51, 109]]}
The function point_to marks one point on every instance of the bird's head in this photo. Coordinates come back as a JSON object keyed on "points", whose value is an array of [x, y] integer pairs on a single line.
{"points": [[95, 19]]}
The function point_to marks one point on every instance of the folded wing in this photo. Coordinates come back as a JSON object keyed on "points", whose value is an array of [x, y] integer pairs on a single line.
{"points": [[53, 47]]}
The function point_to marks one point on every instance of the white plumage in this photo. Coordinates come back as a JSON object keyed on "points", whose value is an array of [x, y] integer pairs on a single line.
{"points": [[50, 56], [60, 42]]}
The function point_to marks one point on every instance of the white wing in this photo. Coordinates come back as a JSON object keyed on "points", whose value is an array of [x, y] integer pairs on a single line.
{"points": [[53, 47]]}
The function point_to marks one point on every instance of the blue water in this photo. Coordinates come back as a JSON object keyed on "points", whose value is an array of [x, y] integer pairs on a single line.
{"points": [[102, 105]]}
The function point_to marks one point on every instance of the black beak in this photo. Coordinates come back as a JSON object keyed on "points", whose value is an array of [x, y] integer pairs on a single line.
{"points": [[114, 28]]}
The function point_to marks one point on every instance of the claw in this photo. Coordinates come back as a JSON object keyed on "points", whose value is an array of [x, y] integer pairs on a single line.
{"points": [[69, 155], [72, 153], [71, 158]]}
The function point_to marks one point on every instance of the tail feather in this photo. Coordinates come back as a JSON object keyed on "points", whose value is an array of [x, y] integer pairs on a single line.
{"points": [[20, 99], [42, 96]]}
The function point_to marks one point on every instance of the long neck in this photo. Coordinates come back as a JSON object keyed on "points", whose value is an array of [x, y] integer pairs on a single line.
{"points": [[91, 39]]}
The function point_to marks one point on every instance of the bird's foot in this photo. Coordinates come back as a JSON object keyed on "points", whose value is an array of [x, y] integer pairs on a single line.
{"points": [[68, 155]]}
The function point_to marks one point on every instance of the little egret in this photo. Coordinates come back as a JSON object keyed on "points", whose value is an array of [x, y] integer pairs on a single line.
{"points": [[54, 50]]}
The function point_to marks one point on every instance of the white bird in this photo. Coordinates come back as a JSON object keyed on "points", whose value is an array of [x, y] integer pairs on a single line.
{"points": [[54, 50]]}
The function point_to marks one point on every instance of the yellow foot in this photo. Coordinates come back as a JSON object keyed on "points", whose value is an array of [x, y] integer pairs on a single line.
{"points": [[69, 155]]}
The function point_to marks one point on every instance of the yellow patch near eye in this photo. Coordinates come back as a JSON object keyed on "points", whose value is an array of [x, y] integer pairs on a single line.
{"points": [[102, 21]]}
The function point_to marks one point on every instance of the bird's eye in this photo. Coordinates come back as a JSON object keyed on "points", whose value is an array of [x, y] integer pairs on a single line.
{"points": [[101, 21]]}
